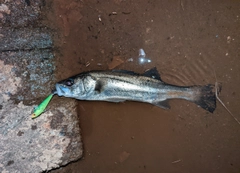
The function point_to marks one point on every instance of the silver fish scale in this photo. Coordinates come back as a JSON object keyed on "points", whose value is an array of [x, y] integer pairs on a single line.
{"points": [[120, 87], [133, 79]]}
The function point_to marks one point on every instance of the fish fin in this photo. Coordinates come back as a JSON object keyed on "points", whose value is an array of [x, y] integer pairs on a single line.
{"points": [[99, 86], [125, 72], [162, 104], [206, 98], [152, 73]]}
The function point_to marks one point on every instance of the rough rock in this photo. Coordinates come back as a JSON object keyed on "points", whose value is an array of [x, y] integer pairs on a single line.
{"points": [[27, 145], [27, 75], [44, 143], [24, 39], [20, 13], [36, 70], [29, 50]]}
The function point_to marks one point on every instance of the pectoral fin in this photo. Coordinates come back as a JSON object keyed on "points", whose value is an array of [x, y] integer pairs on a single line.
{"points": [[162, 104]]}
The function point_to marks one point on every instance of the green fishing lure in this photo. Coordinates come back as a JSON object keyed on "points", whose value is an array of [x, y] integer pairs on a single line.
{"points": [[40, 108]]}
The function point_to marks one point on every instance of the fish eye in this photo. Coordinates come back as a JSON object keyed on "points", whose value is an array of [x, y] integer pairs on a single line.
{"points": [[69, 82]]}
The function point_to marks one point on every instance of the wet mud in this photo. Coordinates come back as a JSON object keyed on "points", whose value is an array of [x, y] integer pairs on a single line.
{"points": [[189, 42]]}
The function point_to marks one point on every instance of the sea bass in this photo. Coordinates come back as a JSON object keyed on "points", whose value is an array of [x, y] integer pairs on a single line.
{"points": [[122, 85]]}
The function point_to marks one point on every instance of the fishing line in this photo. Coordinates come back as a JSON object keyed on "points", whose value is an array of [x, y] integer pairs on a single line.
{"points": [[216, 93]]}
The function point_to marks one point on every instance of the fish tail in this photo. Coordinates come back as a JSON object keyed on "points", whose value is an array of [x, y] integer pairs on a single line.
{"points": [[206, 97]]}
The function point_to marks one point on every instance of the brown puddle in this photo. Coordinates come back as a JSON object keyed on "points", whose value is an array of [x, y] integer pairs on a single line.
{"points": [[186, 41]]}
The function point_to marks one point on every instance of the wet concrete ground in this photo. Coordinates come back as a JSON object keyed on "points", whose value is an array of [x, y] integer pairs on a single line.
{"points": [[187, 41]]}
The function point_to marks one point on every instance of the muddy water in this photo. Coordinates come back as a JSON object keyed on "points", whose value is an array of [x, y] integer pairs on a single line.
{"points": [[187, 41]]}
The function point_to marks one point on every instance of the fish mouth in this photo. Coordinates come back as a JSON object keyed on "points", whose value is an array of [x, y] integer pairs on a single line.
{"points": [[54, 91], [59, 90]]}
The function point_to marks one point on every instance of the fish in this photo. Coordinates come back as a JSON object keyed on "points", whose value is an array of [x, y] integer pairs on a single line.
{"points": [[42, 106], [123, 85]]}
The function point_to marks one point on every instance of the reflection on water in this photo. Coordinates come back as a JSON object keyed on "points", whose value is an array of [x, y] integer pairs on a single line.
{"points": [[180, 40], [142, 57]]}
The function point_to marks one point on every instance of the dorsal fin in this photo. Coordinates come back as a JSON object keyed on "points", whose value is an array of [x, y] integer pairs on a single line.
{"points": [[152, 73]]}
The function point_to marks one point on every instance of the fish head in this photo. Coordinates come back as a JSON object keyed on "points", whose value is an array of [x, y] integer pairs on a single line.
{"points": [[72, 87]]}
